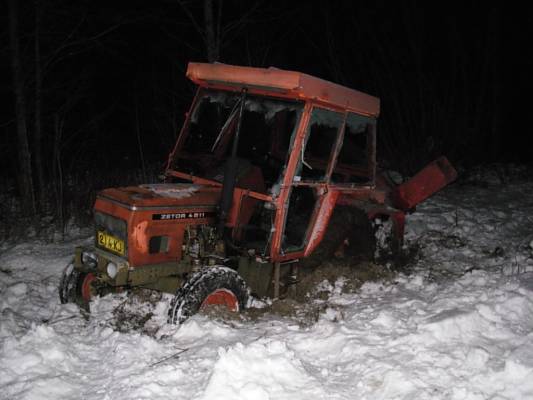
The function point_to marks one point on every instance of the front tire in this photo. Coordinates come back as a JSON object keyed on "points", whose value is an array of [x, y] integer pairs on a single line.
{"points": [[218, 285], [76, 287]]}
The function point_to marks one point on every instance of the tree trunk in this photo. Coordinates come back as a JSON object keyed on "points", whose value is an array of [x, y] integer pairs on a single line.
{"points": [[212, 39], [138, 132], [58, 172], [24, 157], [37, 133], [496, 45]]}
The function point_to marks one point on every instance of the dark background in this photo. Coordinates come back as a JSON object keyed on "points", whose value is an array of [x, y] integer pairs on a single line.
{"points": [[453, 79]]}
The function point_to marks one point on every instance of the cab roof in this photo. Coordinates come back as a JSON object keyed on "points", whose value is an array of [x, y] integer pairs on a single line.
{"points": [[289, 83]]}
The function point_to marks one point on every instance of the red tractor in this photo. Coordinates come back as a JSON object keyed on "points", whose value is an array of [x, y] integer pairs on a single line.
{"points": [[270, 169]]}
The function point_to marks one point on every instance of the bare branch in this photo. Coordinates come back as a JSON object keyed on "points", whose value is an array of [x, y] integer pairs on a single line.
{"points": [[191, 17]]}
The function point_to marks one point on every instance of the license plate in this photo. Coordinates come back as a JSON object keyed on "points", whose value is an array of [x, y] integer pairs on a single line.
{"points": [[111, 243]]}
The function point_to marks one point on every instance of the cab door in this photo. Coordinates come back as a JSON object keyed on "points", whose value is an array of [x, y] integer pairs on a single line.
{"points": [[308, 192]]}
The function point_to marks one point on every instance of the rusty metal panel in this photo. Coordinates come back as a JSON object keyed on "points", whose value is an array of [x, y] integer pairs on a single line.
{"points": [[321, 220], [429, 180], [272, 81]]}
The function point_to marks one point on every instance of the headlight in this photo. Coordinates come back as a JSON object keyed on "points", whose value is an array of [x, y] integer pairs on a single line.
{"points": [[112, 270], [88, 258]]}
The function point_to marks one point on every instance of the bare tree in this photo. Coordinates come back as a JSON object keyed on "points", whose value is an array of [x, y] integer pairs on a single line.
{"points": [[24, 157], [209, 33], [212, 31], [37, 129], [494, 32]]}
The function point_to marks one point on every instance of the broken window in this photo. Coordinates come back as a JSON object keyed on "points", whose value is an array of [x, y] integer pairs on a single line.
{"points": [[302, 203], [266, 129], [320, 142], [353, 161]]}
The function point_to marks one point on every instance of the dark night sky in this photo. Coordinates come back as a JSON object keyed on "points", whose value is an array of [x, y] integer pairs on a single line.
{"points": [[446, 75]]}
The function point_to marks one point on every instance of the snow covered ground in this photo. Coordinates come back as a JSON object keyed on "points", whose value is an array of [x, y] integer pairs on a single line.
{"points": [[460, 326]]}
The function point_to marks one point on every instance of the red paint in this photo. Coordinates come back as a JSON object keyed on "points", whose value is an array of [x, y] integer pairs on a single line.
{"points": [[86, 292], [283, 199], [222, 297], [136, 205], [431, 179], [283, 83], [320, 220], [243, 200]]}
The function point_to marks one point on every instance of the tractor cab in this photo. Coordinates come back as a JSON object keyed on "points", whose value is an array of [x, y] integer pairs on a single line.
{"points": [[296, 143]]}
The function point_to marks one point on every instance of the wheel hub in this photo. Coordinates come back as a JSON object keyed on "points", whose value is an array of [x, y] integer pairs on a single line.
{"points": [[222, 297], [86, 288]]}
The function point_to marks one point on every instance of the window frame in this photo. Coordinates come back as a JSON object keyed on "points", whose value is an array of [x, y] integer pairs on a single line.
{"points": [[335, 148], [370, 150]]}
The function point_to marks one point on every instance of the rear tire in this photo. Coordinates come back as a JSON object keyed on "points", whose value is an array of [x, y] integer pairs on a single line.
{"points": [[216, 285]]}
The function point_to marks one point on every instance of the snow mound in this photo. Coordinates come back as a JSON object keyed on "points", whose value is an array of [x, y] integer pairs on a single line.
{"points": [[260, 370]]}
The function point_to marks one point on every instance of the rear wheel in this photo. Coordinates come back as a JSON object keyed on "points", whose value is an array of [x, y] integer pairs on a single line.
{"points": [[349, 235], [211, 286]]}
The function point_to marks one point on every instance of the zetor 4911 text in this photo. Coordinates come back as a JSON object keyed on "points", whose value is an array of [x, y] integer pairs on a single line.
{"points": [[272, 172]]}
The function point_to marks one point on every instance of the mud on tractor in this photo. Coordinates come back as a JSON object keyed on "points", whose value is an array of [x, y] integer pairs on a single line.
{"points": [[272, 171]]}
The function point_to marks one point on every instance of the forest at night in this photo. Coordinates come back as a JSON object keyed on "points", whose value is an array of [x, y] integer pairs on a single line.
{"points": [[95, 92]]}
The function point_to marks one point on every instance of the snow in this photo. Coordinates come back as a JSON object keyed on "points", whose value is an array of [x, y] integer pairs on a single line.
{"points": [[458, 326], [261, 370], [174, 190]]}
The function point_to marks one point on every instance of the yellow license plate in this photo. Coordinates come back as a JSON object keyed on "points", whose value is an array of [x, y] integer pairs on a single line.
{"points": [[111, 243]]}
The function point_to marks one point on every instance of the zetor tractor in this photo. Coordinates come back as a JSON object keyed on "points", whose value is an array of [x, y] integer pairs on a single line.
{"points": [[273, 171]]}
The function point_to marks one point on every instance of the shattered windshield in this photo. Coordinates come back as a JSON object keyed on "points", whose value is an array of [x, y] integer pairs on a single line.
{"points": [[267, 127]]}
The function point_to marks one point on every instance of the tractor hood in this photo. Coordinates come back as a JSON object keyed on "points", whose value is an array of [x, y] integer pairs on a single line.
{"points": [[137, 222], [162, 196]]}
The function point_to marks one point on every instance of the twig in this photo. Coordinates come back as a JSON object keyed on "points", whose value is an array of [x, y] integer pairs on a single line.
{"points": [[48, 322], [175, 355], [259, 337]]}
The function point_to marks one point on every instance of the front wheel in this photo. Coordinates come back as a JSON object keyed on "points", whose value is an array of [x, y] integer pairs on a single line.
{"points": [[211, 286], [76, 286]]}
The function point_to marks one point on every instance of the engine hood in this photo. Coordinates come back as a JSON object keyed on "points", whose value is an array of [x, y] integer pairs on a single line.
{"points": [[162, 196]]}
